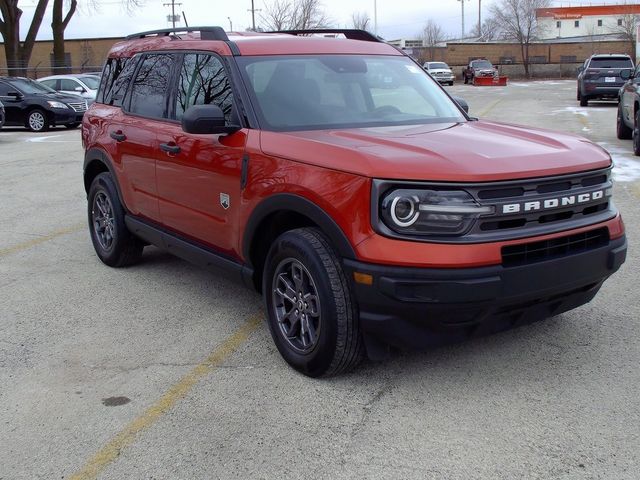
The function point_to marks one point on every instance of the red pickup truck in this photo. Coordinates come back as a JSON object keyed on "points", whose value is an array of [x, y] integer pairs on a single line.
{"points": [[478, 68]]}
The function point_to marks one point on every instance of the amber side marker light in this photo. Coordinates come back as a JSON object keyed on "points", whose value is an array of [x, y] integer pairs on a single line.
{"points": [[363, 278]]}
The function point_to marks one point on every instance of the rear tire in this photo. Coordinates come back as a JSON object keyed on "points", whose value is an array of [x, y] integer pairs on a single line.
{"points": [[466, 80], [584, 101], [112, 241], [623, 132], [636, 134], [311, 312]]}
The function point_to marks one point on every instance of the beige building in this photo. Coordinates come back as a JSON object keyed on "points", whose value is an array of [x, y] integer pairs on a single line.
{"points": [[83, 55]]}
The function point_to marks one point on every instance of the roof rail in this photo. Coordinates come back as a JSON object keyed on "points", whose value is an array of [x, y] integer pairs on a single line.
{"points": [[206, 33], [351, 34]]}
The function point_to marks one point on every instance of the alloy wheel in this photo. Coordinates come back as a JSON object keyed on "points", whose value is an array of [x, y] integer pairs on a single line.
{"points": [[36, 121], [296, 305], [103, 220]]}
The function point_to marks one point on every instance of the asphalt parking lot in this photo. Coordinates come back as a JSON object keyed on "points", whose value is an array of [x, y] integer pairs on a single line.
{"points": [[164, 371]]}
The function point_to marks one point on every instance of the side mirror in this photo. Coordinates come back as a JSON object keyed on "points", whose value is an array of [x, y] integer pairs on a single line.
{"points": [[626, 74], [80, 89], [462, 102], [206, 119]]}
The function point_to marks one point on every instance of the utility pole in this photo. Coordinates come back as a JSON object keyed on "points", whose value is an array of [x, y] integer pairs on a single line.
{"points": [[462, 2], [173, 11], [253, 11], [375, 17], [479, 18], [230, 24]]}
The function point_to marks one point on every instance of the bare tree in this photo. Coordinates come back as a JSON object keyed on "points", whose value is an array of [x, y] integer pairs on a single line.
{"points": [[517, 19], [361, 21], [489, 31], [276, 15], [626, 28], [294, 15], [18, 54], [60, 20], [432, 35]]}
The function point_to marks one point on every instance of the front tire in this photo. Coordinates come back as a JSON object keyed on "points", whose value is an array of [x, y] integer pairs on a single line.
{"points": [[622, 131], [311, 312], [37, 121], [112, 241], [584, 101]]}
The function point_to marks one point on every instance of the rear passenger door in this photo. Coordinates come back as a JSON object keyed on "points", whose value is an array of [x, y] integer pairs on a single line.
{"points": [[199, 175]]}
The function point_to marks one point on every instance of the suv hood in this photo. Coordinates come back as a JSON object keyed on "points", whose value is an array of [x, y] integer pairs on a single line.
{"points": [[460, 152]]}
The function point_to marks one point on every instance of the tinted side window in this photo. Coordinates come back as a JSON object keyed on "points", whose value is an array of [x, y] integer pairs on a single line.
{"points": [[5, 89], [115, 80], [203, 81], [149, 89]]}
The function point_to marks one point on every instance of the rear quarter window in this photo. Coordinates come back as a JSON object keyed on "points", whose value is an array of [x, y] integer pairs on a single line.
{"points": [[115, 80]]}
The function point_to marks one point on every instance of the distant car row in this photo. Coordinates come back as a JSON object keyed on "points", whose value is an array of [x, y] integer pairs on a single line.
{"points": [[37, 107]]}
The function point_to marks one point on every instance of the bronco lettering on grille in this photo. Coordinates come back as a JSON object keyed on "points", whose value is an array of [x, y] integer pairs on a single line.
{"points": [[551, 203]]}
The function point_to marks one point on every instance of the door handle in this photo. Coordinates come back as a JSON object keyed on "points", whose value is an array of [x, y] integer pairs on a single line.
{"points": [[118, 136], [170, 147]]}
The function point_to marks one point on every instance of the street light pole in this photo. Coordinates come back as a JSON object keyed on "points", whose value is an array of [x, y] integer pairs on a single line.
{"points": [[462, 3], [375, 16], [230, 24]]}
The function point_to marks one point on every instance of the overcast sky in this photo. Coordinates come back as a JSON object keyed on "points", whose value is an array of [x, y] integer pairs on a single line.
{"points": [[396, 18]]}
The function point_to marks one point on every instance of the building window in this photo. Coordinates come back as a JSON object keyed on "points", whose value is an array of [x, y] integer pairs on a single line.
{"points": [[619, 22], [599, 23], [576, 23], [558, 24]]}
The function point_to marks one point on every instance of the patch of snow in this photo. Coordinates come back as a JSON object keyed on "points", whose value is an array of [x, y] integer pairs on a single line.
{"points": [[626, 166]]}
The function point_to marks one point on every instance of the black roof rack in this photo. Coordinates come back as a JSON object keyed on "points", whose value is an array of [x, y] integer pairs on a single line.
{"points": [[351, 34], [206, 33]]}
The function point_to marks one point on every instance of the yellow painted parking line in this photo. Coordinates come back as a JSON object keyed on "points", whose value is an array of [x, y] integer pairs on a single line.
{"points": [[107, 454], [489, 108], [37, 241]]}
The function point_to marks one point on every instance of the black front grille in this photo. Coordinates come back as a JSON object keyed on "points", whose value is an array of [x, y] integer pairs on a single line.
{"points": [[526, 253]]}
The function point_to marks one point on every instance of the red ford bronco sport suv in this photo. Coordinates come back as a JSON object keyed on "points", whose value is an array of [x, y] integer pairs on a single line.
{"points": [[340, 180]]}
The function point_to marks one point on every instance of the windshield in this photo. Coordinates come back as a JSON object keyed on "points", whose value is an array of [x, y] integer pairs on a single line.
{"points": [[27, 86], [435, 65], [481, 64], [344, 91], [90, 81], [619, 62]]}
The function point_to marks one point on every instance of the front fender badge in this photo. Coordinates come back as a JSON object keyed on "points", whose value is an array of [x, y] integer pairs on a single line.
{"points": [[225, 201]]}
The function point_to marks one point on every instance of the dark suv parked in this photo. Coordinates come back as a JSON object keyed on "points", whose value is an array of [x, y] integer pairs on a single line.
{"points": [[38, 107], [599, 77], [628, 117], [339, 179]]}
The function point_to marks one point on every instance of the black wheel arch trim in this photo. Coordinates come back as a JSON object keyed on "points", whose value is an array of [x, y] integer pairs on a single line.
{"points": [[99, 155], [302, 206]]}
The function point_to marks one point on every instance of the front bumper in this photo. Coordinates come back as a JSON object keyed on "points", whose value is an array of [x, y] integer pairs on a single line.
{"points": [[421, 307], [64, 117]]}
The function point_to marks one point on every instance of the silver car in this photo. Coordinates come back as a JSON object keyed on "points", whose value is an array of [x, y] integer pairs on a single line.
{"points": [[440, 71], [82, 84]]}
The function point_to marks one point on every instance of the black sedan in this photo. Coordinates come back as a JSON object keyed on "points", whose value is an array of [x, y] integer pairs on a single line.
{"points": [[38, 107]]}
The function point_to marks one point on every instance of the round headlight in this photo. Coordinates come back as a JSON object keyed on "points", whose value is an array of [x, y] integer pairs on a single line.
{"points": [[404, 211]]}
